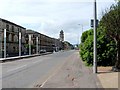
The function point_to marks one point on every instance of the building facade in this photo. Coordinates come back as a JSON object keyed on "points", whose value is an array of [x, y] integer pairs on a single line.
{"points": [[0, 40], [44, 42], [12, 37]]}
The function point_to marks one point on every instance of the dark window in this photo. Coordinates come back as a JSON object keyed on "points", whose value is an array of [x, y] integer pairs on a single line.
{"points": [[12, 28], [27, 42], [33, 36], [12, 38], [14, 48], [7, 27], [19, 30], [7, 37], [26, 36]]}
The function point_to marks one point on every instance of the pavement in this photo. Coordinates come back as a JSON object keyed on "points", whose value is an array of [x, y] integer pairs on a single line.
{"points": [[108, 78], [9, 59], [73, 74]]}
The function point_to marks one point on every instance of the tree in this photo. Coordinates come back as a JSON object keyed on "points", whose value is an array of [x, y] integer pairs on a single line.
{"points": [[111, 22], [106, 48]]}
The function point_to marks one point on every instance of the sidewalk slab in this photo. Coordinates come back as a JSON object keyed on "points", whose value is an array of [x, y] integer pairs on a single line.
{"points": [[108, 78], [21, 57]]}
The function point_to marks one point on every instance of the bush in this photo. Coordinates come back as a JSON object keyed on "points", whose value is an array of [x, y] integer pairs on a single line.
{"points": [[106, 48]]}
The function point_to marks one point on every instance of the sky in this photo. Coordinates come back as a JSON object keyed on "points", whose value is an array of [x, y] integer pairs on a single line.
{"points": [[49, 17]]}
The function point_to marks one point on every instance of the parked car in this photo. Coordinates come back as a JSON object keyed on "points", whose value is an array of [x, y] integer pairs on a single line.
{"points": [[42, 51]]}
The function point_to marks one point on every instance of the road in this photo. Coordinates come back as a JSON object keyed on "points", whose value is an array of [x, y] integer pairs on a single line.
{"points": [[73, 74], [28, 72]]}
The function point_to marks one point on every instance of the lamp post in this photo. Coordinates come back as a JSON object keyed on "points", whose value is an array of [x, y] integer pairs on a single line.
{"points": [[95, 39], [81, 26]]}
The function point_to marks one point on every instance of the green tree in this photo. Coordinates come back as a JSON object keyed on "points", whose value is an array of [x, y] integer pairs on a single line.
{"points": [[105, 48], [111, 22]]}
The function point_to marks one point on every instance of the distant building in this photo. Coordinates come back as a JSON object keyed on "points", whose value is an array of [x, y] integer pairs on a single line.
{"points": [[61, 35], [33, 34], [58, 44], [44, 42], [68, 46], [0, 40]]}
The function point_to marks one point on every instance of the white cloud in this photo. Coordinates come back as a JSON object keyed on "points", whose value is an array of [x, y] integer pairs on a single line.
{"points": [[50, 16]]}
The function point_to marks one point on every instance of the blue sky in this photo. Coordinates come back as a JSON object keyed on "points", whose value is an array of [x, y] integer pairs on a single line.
{"points": [[50, 16]]}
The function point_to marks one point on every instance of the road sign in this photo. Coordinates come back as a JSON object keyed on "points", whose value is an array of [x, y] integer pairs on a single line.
{"points": [[92, 23]]}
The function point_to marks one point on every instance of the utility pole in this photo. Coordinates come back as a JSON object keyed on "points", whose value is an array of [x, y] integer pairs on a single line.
{"points": [[4, 43], [95, 39]]}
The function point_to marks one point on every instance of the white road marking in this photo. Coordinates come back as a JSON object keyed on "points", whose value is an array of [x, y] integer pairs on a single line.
{"points": [[59, 67], [16, 68]]}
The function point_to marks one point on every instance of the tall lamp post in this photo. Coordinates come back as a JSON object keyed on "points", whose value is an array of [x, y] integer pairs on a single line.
{"points": [[95, 39], [82, 27]]}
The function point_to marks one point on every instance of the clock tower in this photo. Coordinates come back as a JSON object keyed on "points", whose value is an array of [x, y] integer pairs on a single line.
{"points": [[61, 35]]}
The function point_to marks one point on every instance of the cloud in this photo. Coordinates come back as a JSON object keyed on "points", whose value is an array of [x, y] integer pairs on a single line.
{"points": [[50, 16]]}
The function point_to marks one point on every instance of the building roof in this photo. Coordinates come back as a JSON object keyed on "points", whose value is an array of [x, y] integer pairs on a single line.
{"points": [[11, 23]]}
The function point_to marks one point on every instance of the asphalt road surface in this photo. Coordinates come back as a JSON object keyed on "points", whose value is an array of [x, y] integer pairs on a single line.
{"points": [[25, 73]]}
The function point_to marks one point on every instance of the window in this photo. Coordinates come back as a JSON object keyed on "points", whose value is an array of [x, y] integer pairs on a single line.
{"points": [[27, 41], [12, 38], [26, 36], [13, 48], [7, 37], [15, 38], [12, 28], [7, 27], [19, 30]]}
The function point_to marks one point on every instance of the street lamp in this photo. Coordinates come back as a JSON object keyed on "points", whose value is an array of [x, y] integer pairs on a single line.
{"points": [[81, 26], [95, 39]]}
